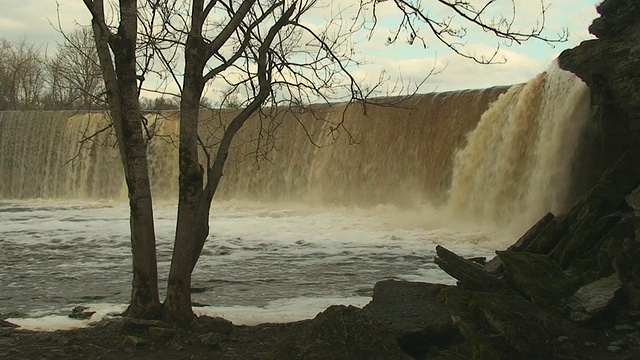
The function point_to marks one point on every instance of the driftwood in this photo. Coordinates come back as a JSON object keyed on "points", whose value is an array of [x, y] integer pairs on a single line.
{"points": [[470, 274], [6, 324], [495, 266], [532, 233]]}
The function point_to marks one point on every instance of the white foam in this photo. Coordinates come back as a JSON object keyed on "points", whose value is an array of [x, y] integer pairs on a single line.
{"points": [[262, 262], [277, 311], [62, 322]]}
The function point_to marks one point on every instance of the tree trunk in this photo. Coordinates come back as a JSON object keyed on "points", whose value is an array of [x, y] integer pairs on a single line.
{"points": [[193, 205], [470, 274], [122, 96], [145, 300], [194, 198], [191, 232]]}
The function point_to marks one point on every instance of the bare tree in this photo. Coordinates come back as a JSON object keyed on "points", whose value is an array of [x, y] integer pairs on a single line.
{"points": [[22, 75], [159, 103], [267, 57], [500, 19], [122, 92], [75, 78], [5, 89]]}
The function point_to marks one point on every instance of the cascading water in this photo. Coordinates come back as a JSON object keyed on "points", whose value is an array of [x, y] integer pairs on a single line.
{"points": [[517, 163], [41, 156], [402, 155], [515, 166]]}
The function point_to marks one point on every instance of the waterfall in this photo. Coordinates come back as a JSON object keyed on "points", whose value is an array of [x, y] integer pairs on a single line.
{"points": [[517, 163], [496, 155], [400, 154], [41, 156]]}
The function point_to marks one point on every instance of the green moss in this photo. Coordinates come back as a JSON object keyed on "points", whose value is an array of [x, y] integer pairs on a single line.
{"points": [[340, 333], [499, 326], [549, 237], [584, 271], [484, 341], [586, 238], [537, 277]]}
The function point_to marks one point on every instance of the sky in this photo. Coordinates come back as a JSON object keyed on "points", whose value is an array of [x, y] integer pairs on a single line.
{"points": [[36, 20]]}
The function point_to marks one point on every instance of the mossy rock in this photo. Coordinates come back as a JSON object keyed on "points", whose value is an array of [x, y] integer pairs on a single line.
{"points": [[500, 326], [340, 333], [584, 271], [537, 277], [414, 314], [585, 238], [549, 237], [484, 341]]}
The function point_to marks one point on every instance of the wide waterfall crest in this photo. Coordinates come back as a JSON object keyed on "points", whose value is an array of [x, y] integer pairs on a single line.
{"points": [[517, 163], [403, 153]]}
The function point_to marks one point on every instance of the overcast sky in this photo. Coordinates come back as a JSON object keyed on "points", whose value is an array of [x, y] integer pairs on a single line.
{"points": [[33, 19]]}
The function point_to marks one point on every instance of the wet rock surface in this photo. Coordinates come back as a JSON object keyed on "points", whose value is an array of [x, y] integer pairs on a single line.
{"points": [[415, 315], [537, 277], [502, 326], [594, 301], [7, 324], [81, 313], [610, 66]]}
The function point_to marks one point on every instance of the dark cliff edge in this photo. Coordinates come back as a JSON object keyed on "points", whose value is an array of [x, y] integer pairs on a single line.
{"points": [[610, 66]]}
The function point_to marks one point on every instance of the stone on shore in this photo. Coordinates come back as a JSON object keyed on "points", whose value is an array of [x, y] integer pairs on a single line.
{"points": [[596, 300], [413, 312], [537, 277], [341, 333], [499, 326]]}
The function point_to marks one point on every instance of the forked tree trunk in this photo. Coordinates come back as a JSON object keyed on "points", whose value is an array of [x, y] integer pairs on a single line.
{"points": [[191, 233], [192, 226], [195, 197], [122, 96]]}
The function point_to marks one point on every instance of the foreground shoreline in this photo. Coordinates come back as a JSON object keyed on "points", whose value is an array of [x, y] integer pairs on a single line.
{"points": [[121, 338]]}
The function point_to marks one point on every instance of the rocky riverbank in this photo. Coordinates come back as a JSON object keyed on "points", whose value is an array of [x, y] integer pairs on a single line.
{"points": [[569, 288]]}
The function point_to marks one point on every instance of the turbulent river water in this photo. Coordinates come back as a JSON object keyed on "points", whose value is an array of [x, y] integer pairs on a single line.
{"points": [[263, 262]]}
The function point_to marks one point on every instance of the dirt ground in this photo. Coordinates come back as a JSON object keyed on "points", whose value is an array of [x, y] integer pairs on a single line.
{"points": [[215, 338], [124, 339]]}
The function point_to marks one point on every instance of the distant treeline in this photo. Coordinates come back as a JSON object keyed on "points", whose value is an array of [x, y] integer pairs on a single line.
{"points": [[68, 80]]}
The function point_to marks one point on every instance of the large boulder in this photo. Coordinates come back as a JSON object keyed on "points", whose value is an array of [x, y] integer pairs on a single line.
{"points": [[597, 301], [500, 326], [341, 333], [413, 312], [537, 277]]}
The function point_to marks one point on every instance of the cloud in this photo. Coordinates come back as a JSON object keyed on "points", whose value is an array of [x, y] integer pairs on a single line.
{"points": [[412, 63], [452, 72], [36, 20]]}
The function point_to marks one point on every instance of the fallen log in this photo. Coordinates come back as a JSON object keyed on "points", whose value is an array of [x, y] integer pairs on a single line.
{"points": [[469, 274], [531, 234], [6, 324]]}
